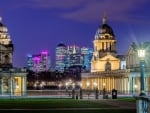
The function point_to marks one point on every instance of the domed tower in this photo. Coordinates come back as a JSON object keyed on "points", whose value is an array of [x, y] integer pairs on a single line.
{"points": [[104, 46], [6, 47]]}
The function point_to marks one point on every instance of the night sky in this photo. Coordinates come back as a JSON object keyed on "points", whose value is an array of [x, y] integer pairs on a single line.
{"points": [[36, 25]]}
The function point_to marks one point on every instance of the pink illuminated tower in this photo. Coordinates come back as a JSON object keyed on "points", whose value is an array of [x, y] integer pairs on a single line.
{"points": [[45, 62], [39, 62], [36, 63]]}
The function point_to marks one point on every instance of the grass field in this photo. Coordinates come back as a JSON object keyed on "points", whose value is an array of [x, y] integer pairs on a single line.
{"points": [[40, 105]]}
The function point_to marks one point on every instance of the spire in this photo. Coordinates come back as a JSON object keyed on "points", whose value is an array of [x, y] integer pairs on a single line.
{"points": [[104, 19], [74, 49]]}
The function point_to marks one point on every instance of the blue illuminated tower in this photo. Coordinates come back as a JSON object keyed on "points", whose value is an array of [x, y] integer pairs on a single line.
{"points": [[87, 56]]}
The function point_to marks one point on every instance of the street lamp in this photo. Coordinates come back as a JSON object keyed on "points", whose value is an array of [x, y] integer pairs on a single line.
{"points": [[96, 90], [66, 85], [104, 91], [95, 85], [59, 85], [141, 55], [135, 87], [88, 92], [80, 91], [104, 84], [73, 90]]}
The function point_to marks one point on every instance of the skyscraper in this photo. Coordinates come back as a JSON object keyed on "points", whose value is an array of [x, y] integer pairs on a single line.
{"points": [[30, 62], [45, 61], [61, 56], [67, 56], [74, 56], [87, 54], [39, 62]]}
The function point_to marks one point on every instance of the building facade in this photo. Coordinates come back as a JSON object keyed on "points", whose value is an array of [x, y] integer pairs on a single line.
{"points": [[6, 47], [107, 67], [112, 71], [133, 65], [12, 80]]}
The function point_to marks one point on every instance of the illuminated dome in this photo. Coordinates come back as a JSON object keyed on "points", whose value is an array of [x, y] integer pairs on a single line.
{"points": [[104, 29]]}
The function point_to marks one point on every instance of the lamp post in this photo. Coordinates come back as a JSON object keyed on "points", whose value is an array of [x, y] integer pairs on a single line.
{"points": [[88, 92], [73, 90], [104, 91], [141, 55], [81, 91], [104, 84], [96, 90], [66, 84]]}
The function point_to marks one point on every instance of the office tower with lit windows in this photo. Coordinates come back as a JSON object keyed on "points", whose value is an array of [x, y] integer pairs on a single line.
{"points": [[44, 61], [39, 62], [61, 57], [36, 63], [67, 56], [87, 54], [73, 56], [30, 62]]}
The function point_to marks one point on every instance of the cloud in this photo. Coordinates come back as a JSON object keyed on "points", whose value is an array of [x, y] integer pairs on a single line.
{"points": [[117, 10], [93, 10], [57, 4]]}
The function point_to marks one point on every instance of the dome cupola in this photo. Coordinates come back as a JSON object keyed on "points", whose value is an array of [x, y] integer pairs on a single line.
{"points": [[104, 29]]}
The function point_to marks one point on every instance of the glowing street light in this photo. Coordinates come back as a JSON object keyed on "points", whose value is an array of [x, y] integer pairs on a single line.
{"points": [[104, 84], [87, 84], [73, 85], [95, 84], [59, 85], [66, 84], [141, 55]]}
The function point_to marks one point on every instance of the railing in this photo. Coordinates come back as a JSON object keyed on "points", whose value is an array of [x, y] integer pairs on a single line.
{"points": [[143, 104]]}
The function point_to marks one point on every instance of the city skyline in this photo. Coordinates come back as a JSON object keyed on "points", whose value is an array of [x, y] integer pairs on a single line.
{"points": [[36, 25]]}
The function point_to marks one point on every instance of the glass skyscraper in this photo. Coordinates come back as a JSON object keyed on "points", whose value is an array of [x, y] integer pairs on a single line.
{"points": [[39, 62], [87, 56], [67, 56], [61, 57]]}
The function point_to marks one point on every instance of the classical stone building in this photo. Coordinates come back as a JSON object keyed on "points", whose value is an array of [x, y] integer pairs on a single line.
{"points": [[133, 66], [107, 67], [112, 71], [12, 80]]}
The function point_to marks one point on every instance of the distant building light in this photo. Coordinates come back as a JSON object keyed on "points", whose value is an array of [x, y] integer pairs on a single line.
{"points": [[44, 52]]}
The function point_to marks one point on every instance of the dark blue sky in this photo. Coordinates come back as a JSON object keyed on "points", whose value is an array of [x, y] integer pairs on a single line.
{"points": [[36, 25]]}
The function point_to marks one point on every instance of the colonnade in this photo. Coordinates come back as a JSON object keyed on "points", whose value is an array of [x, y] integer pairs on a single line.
{"points": [[110, 82]]}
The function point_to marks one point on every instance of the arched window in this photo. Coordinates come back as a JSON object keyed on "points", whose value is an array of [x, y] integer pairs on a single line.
{"points": [[108, 66]]}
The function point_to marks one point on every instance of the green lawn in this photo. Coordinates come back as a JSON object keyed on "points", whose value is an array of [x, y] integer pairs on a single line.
{"points": [[127, 99], [52, 105], [49, 103]]}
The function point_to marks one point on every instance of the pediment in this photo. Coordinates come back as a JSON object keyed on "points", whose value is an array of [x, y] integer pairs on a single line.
{"points": [[110, 58]]}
